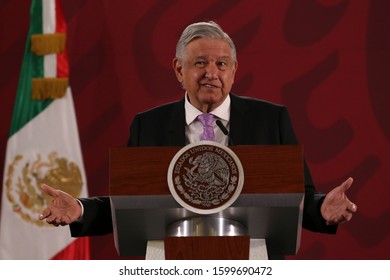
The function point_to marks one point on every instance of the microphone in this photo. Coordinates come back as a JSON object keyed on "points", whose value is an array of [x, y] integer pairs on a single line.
{"points": [[224, 130]]}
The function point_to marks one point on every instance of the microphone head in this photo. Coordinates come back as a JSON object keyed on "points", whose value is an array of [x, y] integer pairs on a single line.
{"points": [[222, 127]]}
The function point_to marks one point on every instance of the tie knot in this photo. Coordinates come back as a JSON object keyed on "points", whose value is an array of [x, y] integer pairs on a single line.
{"points": [[206, 119]]}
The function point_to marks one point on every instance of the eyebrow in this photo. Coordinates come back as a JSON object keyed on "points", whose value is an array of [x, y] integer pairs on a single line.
{"points": [[218, 58]]}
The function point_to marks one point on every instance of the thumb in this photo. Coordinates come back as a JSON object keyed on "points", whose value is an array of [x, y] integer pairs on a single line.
{"points": [[49, 190], [346, 184]]}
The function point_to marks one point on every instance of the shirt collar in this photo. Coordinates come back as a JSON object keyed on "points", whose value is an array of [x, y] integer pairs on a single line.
{"points": [[222, 111]]}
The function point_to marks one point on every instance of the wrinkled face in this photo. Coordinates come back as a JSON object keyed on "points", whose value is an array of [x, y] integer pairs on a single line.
{"points": [[206, 72]]}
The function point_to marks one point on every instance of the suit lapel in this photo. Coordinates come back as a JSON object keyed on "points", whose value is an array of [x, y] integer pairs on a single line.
{"points": [[239, 124], [176, 125]]}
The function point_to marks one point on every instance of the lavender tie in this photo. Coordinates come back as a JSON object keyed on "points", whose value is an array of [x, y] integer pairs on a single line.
{"points": [[207, 121]]}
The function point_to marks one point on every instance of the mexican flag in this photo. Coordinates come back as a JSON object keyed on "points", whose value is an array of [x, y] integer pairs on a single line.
{"points": [[43, 145]]}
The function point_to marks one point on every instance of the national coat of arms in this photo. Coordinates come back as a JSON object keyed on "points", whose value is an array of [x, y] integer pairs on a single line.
{"points": [[25, 176], [205, 177]]}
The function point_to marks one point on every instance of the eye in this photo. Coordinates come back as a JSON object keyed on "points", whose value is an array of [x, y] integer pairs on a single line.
{"points": [[222, 65], [200, 63]]}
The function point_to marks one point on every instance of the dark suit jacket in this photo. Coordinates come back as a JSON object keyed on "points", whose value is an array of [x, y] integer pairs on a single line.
{"points": [[252, 122]]}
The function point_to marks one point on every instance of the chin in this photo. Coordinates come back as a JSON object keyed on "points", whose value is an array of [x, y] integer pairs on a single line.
{"points": [[213, 95], [211, 99]]}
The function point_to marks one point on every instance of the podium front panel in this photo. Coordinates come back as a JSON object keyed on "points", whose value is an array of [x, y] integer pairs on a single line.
{"points": [[270, 205]]}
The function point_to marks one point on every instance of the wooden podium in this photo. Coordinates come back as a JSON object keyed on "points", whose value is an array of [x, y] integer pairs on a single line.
{"points": [[269, 206]]}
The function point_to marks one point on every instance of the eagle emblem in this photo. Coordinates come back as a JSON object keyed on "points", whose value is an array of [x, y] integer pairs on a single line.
{"points": [[24, 178]]}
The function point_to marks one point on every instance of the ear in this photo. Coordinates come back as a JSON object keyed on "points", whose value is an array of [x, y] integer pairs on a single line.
{"points": [[178, 69], [234, 70], [235, 66]]}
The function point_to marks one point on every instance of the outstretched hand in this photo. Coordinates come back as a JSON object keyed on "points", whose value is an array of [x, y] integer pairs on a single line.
{"points": [[337, 208], [63, 210]]}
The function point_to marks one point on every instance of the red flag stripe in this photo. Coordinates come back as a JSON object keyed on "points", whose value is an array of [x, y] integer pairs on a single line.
{"points": [[77, 250], [62, 58]]}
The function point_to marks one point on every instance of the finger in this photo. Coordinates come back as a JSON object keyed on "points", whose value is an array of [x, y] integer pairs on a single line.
{"points": [[65, 221], [57, 221], [335, 221], [49, 190], [348, 217], [352, 207], [50, 219], [52, 222], [45, 213], [346, 184]]}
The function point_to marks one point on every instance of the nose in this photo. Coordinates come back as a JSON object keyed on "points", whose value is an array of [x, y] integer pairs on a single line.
{"points": [[211, 71]]}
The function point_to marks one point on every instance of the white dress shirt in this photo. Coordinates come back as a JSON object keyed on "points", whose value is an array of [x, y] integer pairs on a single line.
{"points": [[194, 128]]}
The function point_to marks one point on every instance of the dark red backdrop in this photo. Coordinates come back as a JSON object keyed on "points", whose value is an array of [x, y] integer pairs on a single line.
{"points": [[327, 60]]}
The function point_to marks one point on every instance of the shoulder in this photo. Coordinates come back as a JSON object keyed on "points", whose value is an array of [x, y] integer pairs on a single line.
{"points": [[255, 104], [253, 101], [166, 109]]}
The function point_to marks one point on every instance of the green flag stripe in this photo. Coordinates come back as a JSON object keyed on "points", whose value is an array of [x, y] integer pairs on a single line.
{"points": [[25, 108]]}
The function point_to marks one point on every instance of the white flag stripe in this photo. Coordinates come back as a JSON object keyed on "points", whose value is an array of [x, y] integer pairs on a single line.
{"points": [[50, 66], [49, 16], [49, 26]]}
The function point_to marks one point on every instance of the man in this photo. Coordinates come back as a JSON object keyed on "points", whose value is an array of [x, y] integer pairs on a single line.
{"points": [[205, 65]]}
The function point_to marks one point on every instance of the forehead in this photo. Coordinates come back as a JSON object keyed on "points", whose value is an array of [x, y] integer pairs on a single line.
{"points": [[208, 48]]}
